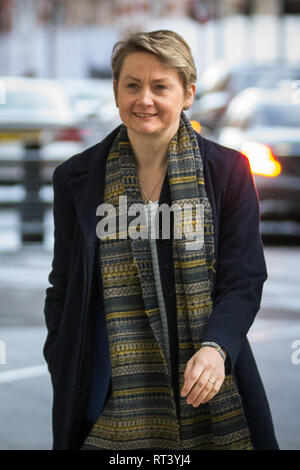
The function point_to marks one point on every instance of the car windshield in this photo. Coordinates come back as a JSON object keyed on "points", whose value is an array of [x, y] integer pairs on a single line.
{"points": [[282, 115], [30, 99], [220, 78], [103, 97], [260, 78]]}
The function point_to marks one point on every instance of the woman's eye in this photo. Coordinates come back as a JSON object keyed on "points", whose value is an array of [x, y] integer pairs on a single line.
{"points": [[161, 87]]}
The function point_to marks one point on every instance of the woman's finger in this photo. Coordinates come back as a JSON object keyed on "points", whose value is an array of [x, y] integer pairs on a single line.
{"points": [[191, 375], [206, 388], [198, 387], [215, 389]]}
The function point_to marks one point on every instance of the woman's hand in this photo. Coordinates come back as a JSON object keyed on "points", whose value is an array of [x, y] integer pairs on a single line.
{"points": [[203, 376]]}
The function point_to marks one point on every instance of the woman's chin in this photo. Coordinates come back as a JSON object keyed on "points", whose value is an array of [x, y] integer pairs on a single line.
{"points": [[146, 129]]}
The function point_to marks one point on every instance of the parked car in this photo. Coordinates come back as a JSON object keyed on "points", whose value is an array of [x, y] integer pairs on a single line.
{"points": [[36, 110], [265, 126], [222, 81], [94, 105]]}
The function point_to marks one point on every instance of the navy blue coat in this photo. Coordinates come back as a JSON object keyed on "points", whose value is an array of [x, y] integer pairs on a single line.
{"points": [[76, 349]]}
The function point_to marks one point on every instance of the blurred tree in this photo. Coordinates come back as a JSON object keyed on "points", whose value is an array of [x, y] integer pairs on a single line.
{"points": [[242, 7], [202, 10], [51, 11], [291, 7], [248, 7], [6, 10]]}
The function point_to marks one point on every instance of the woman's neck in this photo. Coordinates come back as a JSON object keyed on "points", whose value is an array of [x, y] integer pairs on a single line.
{"points": [[150, 151]]}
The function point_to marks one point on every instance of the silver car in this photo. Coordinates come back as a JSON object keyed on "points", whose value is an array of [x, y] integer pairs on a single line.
{"points": [[35, 110], [94, 105], [265, 126], [221, 81]]}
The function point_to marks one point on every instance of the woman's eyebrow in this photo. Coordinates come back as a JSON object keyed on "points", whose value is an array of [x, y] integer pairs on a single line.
{"points": [[162, 79], [129, 77]]}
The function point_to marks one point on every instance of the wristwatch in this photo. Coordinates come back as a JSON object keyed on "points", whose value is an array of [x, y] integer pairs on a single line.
{"points": [[215, 346]]}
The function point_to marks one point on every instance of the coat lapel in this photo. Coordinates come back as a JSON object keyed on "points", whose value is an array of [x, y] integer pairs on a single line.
{"points": [[87, 188]]}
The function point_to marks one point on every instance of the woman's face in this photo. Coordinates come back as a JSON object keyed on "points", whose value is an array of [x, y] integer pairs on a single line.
{"points": [[150, 95]]}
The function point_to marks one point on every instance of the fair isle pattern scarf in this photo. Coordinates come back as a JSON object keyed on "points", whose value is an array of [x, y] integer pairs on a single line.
{"points": [[140, 412]]}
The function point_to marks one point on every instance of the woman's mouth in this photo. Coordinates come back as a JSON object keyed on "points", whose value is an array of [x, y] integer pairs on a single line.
{"points": [[145, 115]]}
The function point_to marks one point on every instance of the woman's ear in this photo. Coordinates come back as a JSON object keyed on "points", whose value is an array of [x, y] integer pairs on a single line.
{"points": [[115, 87], [189, 95]]}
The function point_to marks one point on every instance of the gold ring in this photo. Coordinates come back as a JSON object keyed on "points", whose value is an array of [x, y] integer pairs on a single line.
{"points": [[212, 382]]}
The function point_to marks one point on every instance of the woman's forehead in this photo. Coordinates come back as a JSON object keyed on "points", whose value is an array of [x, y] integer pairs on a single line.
{"points": [[137, 64]]}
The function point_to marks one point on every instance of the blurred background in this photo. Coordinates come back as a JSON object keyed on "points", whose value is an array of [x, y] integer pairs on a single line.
{"points": [[56, 100]]}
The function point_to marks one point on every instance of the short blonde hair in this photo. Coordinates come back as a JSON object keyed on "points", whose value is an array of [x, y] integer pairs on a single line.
{"points": [[168, 46]]}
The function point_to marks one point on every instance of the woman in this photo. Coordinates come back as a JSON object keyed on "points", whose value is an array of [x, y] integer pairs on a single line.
{"points": [[146, 341]]}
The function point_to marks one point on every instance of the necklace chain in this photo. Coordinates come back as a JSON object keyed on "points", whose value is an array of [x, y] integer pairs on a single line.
{"points": [[148, 198]]}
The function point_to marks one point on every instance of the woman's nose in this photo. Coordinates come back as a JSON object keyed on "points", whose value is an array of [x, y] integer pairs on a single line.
{"points": [[145, 96]]}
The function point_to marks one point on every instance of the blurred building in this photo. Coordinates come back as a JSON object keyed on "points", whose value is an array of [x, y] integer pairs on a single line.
{"points": [[275, 7], [91, 12], [96, 12], [74, 37]]}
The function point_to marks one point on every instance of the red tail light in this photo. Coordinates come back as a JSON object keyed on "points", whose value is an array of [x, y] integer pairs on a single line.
{"points": [[261, 159], [69, 133]]}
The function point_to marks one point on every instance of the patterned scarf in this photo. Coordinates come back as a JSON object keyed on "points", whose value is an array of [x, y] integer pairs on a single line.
{"points": [[140, 412]]}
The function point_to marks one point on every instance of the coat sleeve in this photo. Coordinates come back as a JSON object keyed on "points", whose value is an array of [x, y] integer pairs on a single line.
{"points": [[64, 222], [241, 269]]}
